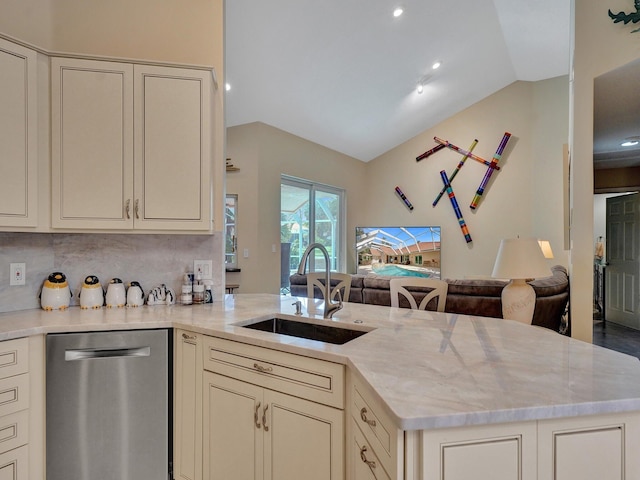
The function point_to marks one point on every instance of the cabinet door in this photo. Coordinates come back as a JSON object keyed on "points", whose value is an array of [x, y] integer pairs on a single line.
{"points": [[173, 131], [233, 435], [589, 447], [188, 406], [14, 465], [485, 452], [92, 144], [18, 136], [303, 439]]}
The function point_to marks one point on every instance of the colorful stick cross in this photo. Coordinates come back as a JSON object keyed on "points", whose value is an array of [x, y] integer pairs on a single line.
{"points": [[493, 166], [454, 204], [463, 152], [455, 172]]}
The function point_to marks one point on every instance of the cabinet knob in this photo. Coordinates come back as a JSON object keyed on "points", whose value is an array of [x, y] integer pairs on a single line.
{"points": [[137, 209], [363, 416], [192, 338], [262, 369], [127, 208], [370, 463]]}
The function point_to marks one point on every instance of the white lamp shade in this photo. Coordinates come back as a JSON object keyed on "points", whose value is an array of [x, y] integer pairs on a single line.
{"points": [[520, 258], [546, 248]]}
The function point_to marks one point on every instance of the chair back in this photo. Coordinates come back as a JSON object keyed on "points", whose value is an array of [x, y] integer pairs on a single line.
{"points": [[439, 291], [344, 284]]}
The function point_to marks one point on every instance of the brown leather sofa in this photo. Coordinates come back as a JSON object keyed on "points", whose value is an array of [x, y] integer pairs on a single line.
{"points": [[470, 297]]}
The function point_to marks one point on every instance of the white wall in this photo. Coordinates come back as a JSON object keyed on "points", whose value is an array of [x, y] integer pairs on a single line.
{"points": [[600, 46], [524, 198]]}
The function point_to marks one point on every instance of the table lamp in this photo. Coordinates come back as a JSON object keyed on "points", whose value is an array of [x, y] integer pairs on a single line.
{"points": [[519, 259]]}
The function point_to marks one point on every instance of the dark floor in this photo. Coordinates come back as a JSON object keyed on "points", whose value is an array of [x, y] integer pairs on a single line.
{"points": [[616, 337]]}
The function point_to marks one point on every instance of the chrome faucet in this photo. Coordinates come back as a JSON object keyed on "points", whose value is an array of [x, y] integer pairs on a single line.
{"points": [[329, 307]]}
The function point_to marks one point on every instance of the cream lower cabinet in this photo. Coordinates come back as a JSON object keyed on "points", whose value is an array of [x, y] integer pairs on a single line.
{"points": [[18, 136], [255, 433], [131, 146], [270, 415], [590, 447], [22, 409], [187, 449], [602, 447]]}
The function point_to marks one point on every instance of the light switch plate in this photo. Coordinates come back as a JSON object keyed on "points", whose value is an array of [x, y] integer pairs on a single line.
{"points": [[17, 274], [205, 267]]}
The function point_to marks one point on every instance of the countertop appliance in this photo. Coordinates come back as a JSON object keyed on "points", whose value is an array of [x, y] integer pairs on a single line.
{"points": [[109, 405]]}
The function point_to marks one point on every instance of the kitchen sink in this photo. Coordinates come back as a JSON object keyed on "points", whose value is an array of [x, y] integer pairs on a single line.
{"points": [[310, 331]]}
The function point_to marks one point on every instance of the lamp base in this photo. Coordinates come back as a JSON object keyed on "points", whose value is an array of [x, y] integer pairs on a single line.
{"points": [[518, 301]]}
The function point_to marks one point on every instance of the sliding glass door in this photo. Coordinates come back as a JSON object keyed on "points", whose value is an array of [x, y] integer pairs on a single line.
{"points": [[310, 213]]}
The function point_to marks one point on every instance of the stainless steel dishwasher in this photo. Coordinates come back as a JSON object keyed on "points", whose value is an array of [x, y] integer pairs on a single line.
{"points": [[108, 405]]}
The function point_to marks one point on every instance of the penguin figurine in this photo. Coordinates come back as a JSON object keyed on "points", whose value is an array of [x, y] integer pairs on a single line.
{"points": [[135, 295], [55, 294], [91, 293], [116, 294]]}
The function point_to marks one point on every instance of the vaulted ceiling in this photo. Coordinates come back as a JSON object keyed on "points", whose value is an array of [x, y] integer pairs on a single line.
{"points": [[343, 73]]}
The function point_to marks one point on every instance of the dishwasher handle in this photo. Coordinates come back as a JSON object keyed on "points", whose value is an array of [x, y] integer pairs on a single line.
{"points": [[87, 353]]}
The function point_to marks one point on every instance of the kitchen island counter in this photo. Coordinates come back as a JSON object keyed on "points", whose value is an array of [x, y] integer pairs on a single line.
{"points": [[428, 369]]}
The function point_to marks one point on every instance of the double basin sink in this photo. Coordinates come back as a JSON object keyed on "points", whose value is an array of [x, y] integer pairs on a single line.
{"points": [[337, 335]]}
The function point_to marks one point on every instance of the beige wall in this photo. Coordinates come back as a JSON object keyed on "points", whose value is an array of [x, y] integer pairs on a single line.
{"points": [[263, 153], [600, 46], [29, 21], [524, 198], [168, 31]]}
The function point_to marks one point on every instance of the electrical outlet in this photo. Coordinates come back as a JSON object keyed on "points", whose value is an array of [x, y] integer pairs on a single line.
{"points": [[205, 267], [18, 274]]}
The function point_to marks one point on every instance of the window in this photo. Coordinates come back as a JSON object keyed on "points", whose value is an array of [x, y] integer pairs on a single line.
{"points": [[231, 240], [309, 213]]}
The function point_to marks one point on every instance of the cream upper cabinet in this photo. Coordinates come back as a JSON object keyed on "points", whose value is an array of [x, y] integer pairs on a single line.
{"points": [[18, 136], [173, 130], [131, 146], [92, 144]]}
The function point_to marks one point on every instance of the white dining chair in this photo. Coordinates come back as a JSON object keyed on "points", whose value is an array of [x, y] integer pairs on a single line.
{"points": [[439, 292]]}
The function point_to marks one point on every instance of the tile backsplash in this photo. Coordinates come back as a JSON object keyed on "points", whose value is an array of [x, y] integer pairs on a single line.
{"points": [[149, 259]]}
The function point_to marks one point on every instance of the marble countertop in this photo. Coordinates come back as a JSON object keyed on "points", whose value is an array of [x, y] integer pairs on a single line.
{"points": [[430, 370]]}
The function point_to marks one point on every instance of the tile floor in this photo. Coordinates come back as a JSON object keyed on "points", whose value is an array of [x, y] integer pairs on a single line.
{"points": [[616, 337]]}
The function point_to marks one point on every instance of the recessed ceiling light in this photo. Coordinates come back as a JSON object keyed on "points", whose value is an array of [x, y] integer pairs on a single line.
{"points": [[436, 65], [420, 88], [398, 11], [227, 86]]}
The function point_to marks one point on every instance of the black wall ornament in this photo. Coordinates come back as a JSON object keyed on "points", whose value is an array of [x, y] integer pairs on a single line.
{"points": [[633, 17]]}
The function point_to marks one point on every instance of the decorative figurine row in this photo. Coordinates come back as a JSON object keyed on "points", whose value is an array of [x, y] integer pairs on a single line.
{"points": [[446, 180], [56, 295]]}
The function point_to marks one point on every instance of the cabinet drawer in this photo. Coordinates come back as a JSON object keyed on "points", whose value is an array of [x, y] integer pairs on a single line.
{"points": [[316, 380], [14, 430], [14, 465], [14, 394], [377, 427], [14, 357], [365, 463]]}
